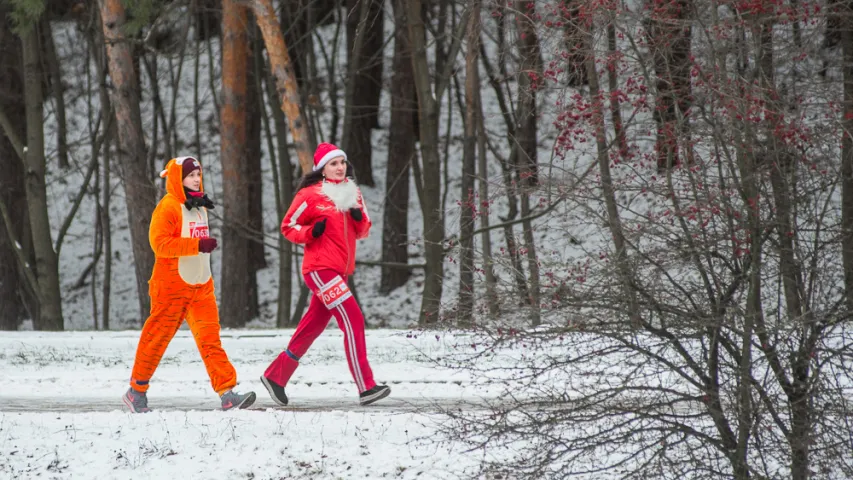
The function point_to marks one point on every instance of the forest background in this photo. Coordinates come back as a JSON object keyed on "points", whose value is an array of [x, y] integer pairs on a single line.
{"points": [[659, 192]]}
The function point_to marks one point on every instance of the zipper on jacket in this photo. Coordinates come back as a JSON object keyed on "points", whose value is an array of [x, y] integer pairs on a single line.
{"points": [[346, 242]]}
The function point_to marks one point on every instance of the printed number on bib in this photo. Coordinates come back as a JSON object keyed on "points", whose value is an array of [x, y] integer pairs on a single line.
{"points": [[199, 230], [335, 292]]}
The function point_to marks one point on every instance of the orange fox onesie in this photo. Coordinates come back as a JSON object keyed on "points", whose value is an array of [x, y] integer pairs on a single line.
{"points": [[181, 287]]}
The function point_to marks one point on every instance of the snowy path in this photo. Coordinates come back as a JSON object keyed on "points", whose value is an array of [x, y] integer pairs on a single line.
{"points": [[189, 404], [61, 414]]}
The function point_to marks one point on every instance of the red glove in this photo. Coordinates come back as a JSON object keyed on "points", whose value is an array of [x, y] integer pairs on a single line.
{"points": [[206, 245]]}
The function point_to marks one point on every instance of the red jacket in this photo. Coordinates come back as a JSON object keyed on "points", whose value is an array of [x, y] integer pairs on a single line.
{"points": [[335, 248]]}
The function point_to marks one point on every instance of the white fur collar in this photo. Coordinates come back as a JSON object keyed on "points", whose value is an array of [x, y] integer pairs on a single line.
{"points": [[344, 194]]}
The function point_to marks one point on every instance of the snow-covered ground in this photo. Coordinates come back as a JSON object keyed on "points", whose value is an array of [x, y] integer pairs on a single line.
{"points": [[61, 414]]}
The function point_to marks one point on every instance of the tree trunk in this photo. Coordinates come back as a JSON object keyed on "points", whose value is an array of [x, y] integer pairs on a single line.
{"points": [[510, 187], [783, 178], [253, 175], [371, 60], [753, 311], [134, 171], [433, 217], [613, 90], [13, 307], [285, 80], [107, 238], [573, 38], [234, 306], [669, 42], [54, 70], [847, 154], [608, 193], [401, 152], [283, 176], [297, 35], [95, 37], [483, 204], [12, 190], [526, 147], [47, 264], [509, 232], [206, 19], [364, 47], [468, 201]]}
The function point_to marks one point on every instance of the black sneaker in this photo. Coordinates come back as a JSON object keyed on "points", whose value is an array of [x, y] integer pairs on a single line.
{"points": [[276, 391], [376, 393]]}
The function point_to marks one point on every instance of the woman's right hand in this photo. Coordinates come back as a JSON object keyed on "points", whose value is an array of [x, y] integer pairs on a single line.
{"points": [[318, 228]]}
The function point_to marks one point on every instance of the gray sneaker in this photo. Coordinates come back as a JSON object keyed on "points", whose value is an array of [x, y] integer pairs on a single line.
{"points": [[137, 402], [232, 399]]}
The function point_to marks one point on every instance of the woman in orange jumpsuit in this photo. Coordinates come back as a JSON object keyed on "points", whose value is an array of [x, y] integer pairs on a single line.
{"points": [[181, 287]]}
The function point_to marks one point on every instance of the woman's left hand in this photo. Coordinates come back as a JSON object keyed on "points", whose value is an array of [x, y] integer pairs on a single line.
{"points": [[356, 214]]}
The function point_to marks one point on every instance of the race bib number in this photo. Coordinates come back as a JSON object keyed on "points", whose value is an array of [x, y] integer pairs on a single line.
{"points": [[199, 230], [335, 292]]}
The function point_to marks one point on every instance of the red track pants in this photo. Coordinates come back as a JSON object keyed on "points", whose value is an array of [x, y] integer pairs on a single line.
{"points": [[330, 295]]}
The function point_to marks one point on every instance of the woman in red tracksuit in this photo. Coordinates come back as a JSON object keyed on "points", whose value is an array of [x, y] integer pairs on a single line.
{"points": [[327, 216]]}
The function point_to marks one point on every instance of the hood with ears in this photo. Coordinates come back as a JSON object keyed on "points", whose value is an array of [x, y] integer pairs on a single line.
{"points": [[174, 175]]}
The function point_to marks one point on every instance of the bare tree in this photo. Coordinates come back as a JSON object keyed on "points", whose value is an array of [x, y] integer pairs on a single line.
{"points": [[97, 48], [234, 134], [847, 151], [484, 204], [497, 80], [285, 80], [283, 178], [363, 84], [12, 192], [669, 37], [608, 191], [573, 34], [467, 199], [524, 149], [134, 170], [701, 330], [296, 15], [252, 169], [430, 190], [54, 76], [46, 271], [401, 153]]}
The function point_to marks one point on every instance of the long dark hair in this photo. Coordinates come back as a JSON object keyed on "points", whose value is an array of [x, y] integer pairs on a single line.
{"points": [[313, 177]]}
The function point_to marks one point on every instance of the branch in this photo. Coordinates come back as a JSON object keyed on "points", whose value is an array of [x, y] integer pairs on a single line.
{"points": [[499, 93], [355, 56], [13, 137], [19, 254], [541, 213], [404, 266], [442, 81], [88, 177]]}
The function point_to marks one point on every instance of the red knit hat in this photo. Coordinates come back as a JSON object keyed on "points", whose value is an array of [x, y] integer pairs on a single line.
{"points": [[188, 166], [324, 153]]}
